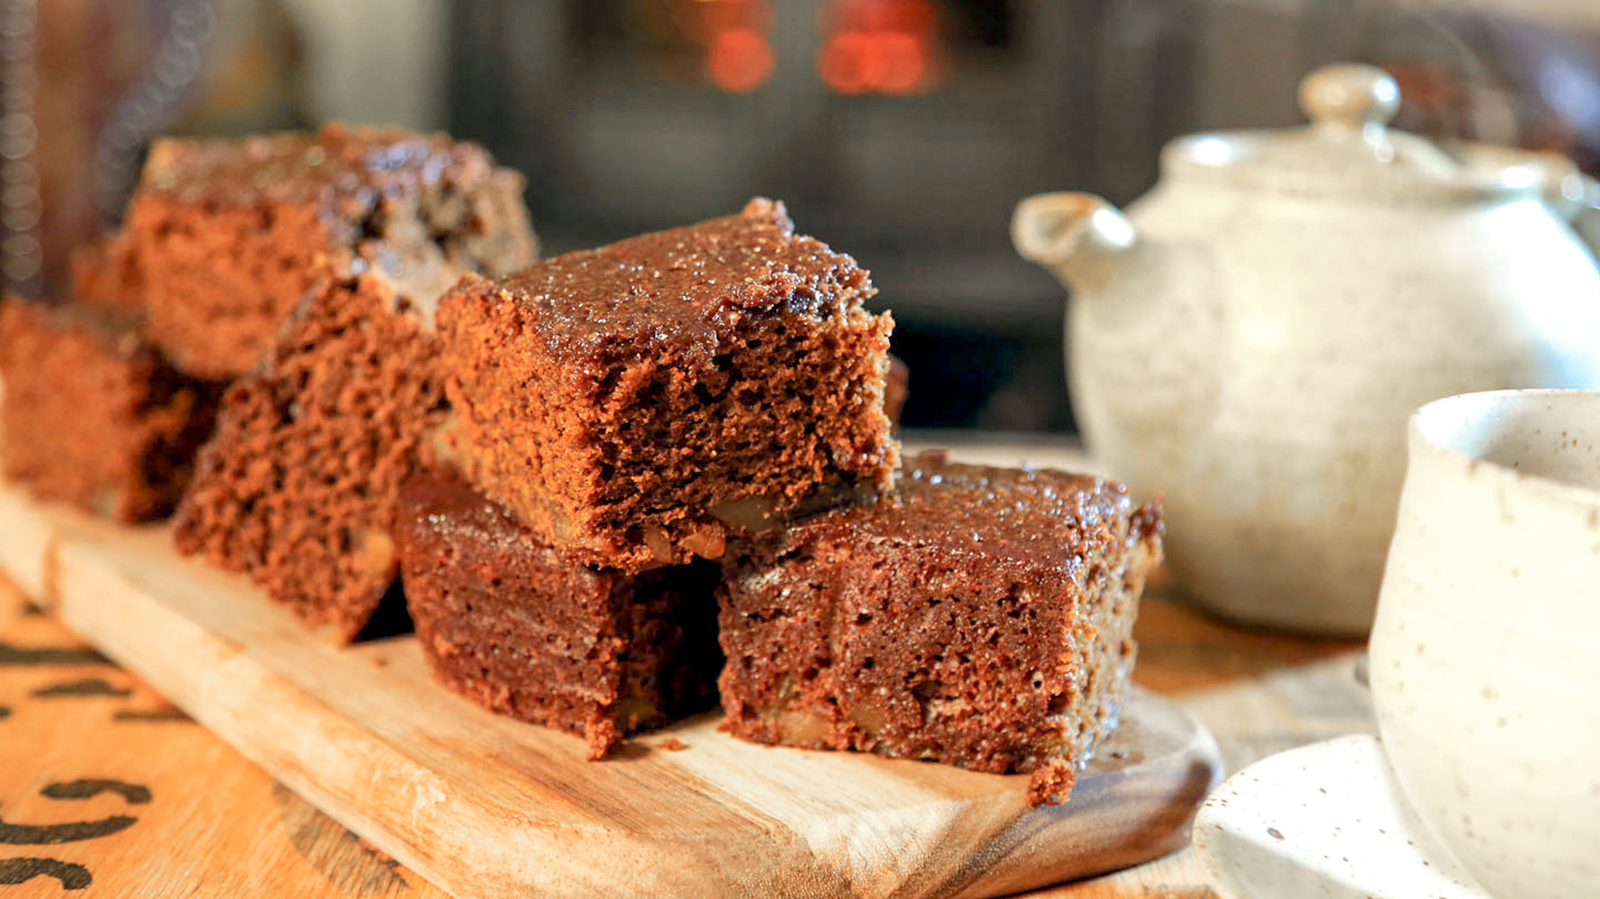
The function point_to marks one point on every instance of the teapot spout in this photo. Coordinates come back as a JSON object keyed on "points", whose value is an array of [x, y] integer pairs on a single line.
{"points": [[1080, 238]]}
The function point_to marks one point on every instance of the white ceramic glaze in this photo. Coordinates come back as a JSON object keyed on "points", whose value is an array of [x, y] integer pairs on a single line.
{"points": [[1485, 665], [1249, 338], [1326, 821]]}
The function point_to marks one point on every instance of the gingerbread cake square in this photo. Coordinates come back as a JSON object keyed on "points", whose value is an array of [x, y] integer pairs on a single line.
{"points": [[298, 487], [635, 403], [93, 415], [527, 631], [980, 617], [105, 272], [230, 234]]}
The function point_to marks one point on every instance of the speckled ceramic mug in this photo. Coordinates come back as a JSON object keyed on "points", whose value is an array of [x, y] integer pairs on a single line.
{"points": [[1486, 651]]}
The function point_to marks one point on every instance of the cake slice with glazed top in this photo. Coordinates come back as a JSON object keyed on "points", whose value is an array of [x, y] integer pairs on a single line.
{"points": [[980, 617], [636, 404], [230, 234], [311, 263]]}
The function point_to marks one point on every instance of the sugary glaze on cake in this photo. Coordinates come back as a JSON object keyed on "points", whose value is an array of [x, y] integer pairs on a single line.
{"points": [[527, 631], [681, 290], [230, 234], [977, 616], [1032, 522], [638, 403], [336, 164]]}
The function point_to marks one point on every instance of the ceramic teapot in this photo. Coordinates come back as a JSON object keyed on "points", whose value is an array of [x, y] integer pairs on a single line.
{"points": [[1249, 338]]}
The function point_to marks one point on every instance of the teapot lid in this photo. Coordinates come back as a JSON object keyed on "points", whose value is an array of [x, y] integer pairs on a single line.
{"points": [[1348, 150]]}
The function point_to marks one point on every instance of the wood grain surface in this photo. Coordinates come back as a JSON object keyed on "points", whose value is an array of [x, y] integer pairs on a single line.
{"points": [[486, 806], [108, 790], [82, 742]]}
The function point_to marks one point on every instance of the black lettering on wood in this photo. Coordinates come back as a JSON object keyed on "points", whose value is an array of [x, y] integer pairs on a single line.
{"points": [[134, 794], [89, 686], [11, 654], [160, 713], [21, 870], [51, 834]]}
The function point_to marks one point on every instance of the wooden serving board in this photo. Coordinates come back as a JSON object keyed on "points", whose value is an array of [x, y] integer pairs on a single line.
{"points": [[485, 806]]}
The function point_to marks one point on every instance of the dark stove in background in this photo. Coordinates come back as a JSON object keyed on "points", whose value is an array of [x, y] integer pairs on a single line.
{"points": [[902, 131]]}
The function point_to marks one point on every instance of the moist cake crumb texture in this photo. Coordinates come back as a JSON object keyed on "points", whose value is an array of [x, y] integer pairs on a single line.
{"points": [[978, 616], [93, 415], [527, 631], [298, 487]]}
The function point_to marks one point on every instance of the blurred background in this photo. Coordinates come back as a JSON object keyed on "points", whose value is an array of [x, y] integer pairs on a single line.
{"points": [[900, 131]]}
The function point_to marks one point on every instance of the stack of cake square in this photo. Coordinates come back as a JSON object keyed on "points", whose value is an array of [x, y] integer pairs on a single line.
{"points": [[621, 484], [684, 434], [273, 296], [631, 408]]}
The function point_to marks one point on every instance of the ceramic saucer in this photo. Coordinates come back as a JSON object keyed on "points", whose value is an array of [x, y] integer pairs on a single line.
{"points": [[1327, 821]]}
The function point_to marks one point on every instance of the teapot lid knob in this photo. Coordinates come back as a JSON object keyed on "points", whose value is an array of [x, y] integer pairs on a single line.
{"points": [[1349, 96]]}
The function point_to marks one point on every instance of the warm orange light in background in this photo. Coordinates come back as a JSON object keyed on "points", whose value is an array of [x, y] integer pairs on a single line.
{"points": [[884, 46], [901, 65], [844, 62], [740, 59], [738, 56]]}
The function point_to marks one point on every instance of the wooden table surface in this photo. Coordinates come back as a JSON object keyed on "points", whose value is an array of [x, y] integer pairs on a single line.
{"points": [[106, 789]]}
